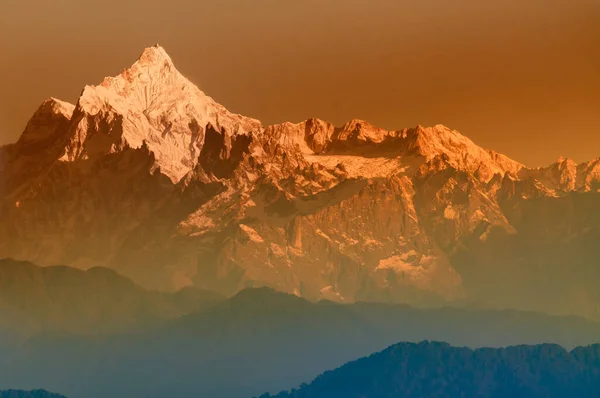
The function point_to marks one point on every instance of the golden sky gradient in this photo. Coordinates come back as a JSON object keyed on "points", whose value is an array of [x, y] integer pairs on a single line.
{"points": [[521, 77]]}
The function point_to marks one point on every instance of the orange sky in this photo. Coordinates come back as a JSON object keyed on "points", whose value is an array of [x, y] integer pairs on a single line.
{"points": [[520, 77]]}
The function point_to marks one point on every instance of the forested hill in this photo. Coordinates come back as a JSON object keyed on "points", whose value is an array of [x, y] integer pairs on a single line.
{"points": [[431, 369], [29, 394]]}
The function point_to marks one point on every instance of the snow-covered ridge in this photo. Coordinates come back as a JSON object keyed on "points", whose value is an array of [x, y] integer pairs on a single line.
{"points": [[151, 102], [566, 175], [361, 146], [58, 106]]}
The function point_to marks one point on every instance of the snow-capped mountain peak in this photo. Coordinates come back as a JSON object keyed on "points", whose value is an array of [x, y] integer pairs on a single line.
{"points": [[155, 55], [152, 102], [462, 152]]}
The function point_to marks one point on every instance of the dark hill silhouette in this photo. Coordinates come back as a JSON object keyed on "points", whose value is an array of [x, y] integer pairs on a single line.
{"points": [[29, 394], [431, 369]]}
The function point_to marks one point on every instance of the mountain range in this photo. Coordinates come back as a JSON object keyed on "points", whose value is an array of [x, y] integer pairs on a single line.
{"points": [[431, 369], [149, 176]]}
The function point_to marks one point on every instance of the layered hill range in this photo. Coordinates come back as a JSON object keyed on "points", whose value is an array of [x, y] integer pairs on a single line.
{"points": [[148, 175]]}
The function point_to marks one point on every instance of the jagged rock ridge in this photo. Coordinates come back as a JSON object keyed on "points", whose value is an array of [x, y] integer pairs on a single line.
{"points": [[148, 175]]}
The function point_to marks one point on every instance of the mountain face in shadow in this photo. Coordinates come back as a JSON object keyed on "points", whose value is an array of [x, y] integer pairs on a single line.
{"points": [[29, 394], [97, 301], [431, 369], [261, 340]]}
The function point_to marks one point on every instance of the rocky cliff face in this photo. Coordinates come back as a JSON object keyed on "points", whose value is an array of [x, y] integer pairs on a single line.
{"points": [[148, 175]]}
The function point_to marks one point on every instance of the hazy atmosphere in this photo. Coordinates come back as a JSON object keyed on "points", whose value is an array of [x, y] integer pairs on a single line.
{"points": [[520, 77], [299, 198]]}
